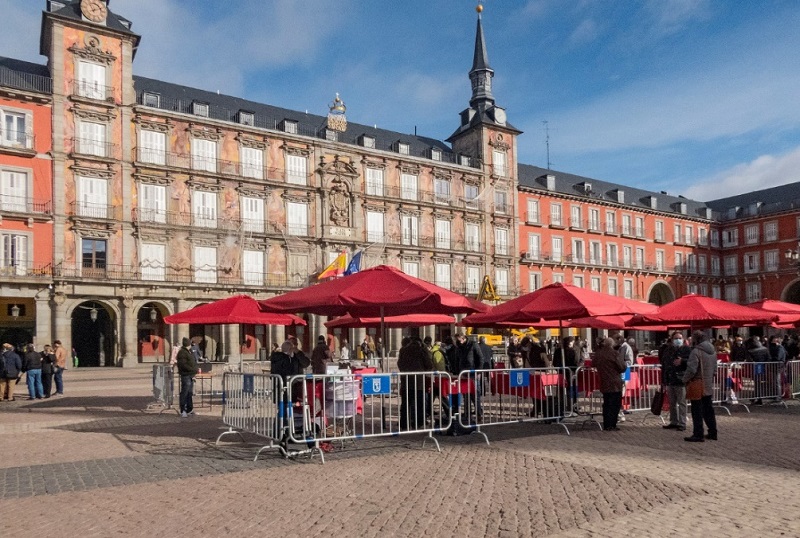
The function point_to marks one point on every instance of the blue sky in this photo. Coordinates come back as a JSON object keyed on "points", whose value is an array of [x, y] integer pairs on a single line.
{"points": [[694, 97]]}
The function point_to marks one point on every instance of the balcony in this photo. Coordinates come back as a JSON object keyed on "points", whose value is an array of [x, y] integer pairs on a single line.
{"points": [[91, 210], [626, 230], [639, 231], [17, 140], [576, 224], [25, 205], [93, 148], [594, 227], [611, 229], [26, 270], [93, 91], [556, 222], [532, 218]]}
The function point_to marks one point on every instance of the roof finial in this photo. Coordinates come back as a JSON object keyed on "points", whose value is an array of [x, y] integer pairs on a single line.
{"points": [[479, 9]]}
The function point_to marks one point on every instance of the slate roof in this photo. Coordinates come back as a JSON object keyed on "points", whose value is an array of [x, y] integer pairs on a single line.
{"points": [[772, 200], [25, 76], [533, 177], [72, 10]]}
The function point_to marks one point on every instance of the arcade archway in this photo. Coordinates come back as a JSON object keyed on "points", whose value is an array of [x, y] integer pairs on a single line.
{"points": [[791, 293], [660, 294], [93, 334]]}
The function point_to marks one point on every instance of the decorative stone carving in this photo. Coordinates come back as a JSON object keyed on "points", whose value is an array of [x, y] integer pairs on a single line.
{"points": [[339, 202], [92, 51], [153, 180], [94, 115], [206, 133], [499, 143], [88, 171], [161, 127], [249, 142]]}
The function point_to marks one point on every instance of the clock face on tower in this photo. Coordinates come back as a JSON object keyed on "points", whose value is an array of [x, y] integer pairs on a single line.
{"points": [[94, 10]]}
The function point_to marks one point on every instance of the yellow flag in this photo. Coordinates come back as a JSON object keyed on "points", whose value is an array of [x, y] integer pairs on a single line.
{"points": [[336, 268]]}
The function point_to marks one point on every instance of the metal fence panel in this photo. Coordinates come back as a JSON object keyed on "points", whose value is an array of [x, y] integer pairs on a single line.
{"points": [[757, 381], [253, 403], [163, 388], [793, 378]]}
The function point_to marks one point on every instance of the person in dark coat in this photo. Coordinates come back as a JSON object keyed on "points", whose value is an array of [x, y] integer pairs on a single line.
{"points": [[413, 357], [11, 369], [756, 352], [468, 357], [486, 353], [321, 356], [32, 366], [673, 356], [610, 365], [48, 369], [566, 357], [187, 369], [738, 350]]}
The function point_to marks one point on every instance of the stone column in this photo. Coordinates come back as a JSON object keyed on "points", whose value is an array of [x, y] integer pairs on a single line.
{"points": [[44, 322], [128, 339], [61, 324], [180, 330]]}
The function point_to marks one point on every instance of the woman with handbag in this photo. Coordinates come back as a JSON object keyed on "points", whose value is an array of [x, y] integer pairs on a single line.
{"points": [[699, 380]]}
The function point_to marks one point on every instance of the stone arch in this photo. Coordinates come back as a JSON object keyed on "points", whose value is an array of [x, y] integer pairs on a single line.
{"points": [[94, 341], [153, 341], [660, 293], [791, 293]]}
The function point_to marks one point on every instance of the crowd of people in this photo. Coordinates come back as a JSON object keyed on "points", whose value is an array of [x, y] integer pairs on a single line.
{"points": [[41, 368]]}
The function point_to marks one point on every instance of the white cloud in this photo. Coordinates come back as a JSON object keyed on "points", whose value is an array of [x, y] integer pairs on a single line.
{"points": [[585, 32], [671, 16], [762, 173]]}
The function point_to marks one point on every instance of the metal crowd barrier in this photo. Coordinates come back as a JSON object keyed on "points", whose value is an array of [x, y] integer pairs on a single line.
{"points": [[642, 383], [504, 396], [342, 407], [793, 378], [254, 403], [163, 388], [755, 381], [588, 398]]}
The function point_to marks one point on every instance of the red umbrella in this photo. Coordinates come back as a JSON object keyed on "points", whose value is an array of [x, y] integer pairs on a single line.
{"points": [[377, 292], [788, 313], [410, 320], [239, 309], [698, 311], [557, 302]]}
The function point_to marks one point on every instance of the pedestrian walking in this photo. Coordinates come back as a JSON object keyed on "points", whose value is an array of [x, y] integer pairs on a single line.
{"points": [[48, 369], [60, 366], [187, 369], [10, 369], [32, 366], [702, 365], [609, 365]]}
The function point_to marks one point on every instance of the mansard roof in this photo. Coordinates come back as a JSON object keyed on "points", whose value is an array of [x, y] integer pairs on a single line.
{"points": [[755, 203], [26, 76]]}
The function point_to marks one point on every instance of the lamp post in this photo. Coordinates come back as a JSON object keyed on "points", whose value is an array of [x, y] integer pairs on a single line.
{"points": [[14, 311], [793, 256], [93, 314], [153, 314]]}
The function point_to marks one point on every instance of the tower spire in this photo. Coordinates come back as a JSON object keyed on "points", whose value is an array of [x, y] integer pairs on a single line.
{"points": [[481, 74]]}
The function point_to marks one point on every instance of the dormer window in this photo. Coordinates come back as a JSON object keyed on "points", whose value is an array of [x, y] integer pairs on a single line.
{"points": [[550, 182], [753, 208], [585, 187], [367, 141], [436, 154], [53, 5], [620, 196], [247, 118], [464, 160], [330, 135], [653, 202], [708, 213], [732, 212], [290, 126], [200, 109], [682, 208], [151, 99], [402, 148]]}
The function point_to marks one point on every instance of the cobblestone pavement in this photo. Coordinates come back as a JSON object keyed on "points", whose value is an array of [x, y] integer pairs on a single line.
{"points": [[112, 469]]}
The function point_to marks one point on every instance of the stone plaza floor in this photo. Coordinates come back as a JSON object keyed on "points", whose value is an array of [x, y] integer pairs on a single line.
{"points": [[95, 463]]}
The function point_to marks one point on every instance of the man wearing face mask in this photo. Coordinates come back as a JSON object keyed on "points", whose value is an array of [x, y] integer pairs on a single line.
{"points": [[673, 359]]}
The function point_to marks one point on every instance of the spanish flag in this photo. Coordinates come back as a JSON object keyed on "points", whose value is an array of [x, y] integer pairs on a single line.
{"points": [[336, 268]]}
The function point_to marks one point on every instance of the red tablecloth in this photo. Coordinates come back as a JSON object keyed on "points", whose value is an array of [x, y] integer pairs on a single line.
{"points": [[501, 384], [724, 357]]}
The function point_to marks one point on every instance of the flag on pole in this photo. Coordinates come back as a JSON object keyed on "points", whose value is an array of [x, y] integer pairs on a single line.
{"points": [[355, 264], [334, 269]]}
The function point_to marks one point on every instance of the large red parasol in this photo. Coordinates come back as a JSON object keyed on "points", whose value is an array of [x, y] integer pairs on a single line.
{"points": [[377, 292], [557, 302], [239, 309], [410, 320], [697, 311], [788, 313]]}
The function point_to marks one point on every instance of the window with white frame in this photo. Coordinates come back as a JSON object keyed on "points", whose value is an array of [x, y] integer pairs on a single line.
{"points": [[732, 293], [13, 190], [639, 258], [296, 218], [730, 266], [408, 187], [753, 290], [558, 248], [627, 256], [751, 234], [578, 254], [596, 253], [411, 268], [688, 235], [701, 265], [252, 160], [534, 281], [678, 262], [704, 290], [375, 226], [716, 291], [691, 288], [501, 281], [612, 286], [595, 284], [534, 247], [92, 138], [205, 265], [441, 189], [152, 147], [750, 262], [296, 169], [14, 253], [771, 260], [14, 126], [409, 225], [730, 237], [473, 279], [611, 222], [204, 155], [499, 163], [577, 281], [714, 238], [626, 225], [153, 261], [659, 232], [612, 256], [374, 182], [93, 197], [443, 275], [594, 219], [676, 233], [472, 237], [555, 214], [660, 260], [628, 288], [91, 80], [204, 209], [501, 202], [702, 236], [558, 278], [691, 263], [575, 216], [253, 267], [501, 241], [715, 267], [152, 203], [533, 211], [639, 231], [253, 219], [771, 231], [471, 196], [442, 233]]}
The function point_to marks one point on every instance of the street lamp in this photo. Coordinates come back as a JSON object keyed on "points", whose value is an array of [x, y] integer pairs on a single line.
{"points": [[14, 311], [153, 314], [93, 314], [793, 256]]}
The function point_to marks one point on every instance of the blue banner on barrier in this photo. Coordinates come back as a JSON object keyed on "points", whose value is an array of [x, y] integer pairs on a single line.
{"points": [[247, 383], [519, 379], [376, 385], [626, 376]]}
